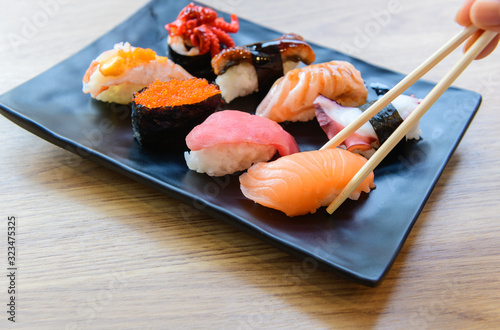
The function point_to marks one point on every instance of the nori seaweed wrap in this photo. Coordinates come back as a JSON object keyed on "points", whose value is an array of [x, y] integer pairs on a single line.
{"points": [[385, 122], [198, 65]]}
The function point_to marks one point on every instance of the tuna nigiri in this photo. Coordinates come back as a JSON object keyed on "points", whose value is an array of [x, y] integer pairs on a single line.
{"points": [[303, 182], [229, 141], [116, 74], [291, 97]]}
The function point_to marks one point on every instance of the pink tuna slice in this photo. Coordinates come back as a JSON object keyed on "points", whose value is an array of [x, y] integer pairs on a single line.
{"points": [[231, 126], [333, 117]]}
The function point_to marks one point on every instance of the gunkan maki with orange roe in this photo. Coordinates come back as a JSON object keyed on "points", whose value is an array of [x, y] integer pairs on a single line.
{"points": [[163, 113]]}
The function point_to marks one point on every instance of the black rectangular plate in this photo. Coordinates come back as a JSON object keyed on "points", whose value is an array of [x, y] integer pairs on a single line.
{"points": [[360, 240]]}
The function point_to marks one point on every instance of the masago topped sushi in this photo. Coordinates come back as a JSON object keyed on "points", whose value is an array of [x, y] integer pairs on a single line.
{"points": [[163, 113]]}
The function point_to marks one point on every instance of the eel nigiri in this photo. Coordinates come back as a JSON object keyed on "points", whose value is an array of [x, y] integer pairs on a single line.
{"points": [[243, 70], [116, 74], [229, 141], [303, 182], [333, 117], [291, 97]]}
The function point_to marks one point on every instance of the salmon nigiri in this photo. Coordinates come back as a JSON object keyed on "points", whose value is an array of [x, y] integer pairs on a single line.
{"points": [[292, 96], [303, 182]]}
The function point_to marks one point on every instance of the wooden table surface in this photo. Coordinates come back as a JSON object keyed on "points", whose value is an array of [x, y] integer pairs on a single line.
{"points": [[97, 250]]}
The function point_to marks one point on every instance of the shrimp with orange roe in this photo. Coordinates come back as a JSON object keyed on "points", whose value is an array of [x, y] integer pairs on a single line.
{"points": [[116, 74]]}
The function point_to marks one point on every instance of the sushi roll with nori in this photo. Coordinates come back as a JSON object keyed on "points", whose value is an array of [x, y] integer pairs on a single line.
{"points": [[163, 113], [244, 70], [333, 117], [116, 74], [196, 36]]}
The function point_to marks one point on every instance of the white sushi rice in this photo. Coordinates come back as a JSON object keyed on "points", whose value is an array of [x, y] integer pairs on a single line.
{"points": [[228, 158], [289, 66], [121, 94], [405, 105], [177, 44], [239, 80]]}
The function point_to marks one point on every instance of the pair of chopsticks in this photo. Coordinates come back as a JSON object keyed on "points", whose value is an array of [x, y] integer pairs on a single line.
{"points": [[415, 116]]}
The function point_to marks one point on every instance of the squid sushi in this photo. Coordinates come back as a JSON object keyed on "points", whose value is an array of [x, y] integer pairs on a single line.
{"points": [[244, 70], [292, 96], [333, 117], [116, 74], [301, 183], [230, 141]]}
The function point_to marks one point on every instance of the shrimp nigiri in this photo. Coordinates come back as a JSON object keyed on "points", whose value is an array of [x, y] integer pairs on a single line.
{"points": [[116, 74], [292, 96], [303, 182]]}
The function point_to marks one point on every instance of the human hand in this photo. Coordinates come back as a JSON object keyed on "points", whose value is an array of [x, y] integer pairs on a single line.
{"points": [[484, 14]]}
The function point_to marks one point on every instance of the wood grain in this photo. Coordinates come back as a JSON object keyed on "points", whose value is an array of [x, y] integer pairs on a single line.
{"points": [[97, 250]]}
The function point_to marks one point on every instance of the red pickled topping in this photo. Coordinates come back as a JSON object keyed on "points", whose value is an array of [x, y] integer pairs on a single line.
{"points": [[176, 92], [200, 27]]}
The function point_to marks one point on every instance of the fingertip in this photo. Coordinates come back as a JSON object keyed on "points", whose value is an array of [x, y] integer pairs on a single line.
{"points": [[485, 14], [463, 14], [489, 49]]}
